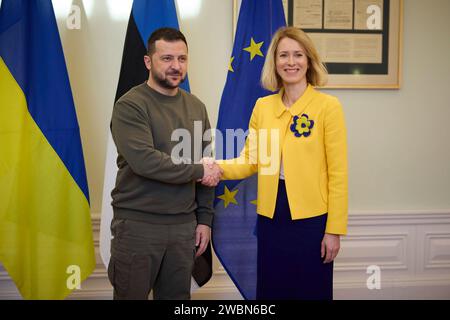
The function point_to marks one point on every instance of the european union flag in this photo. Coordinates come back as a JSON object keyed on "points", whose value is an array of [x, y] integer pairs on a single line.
{"points": [[234, 237]]}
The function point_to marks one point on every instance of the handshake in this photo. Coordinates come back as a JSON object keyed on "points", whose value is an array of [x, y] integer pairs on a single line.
{"points": [[212, 172]]}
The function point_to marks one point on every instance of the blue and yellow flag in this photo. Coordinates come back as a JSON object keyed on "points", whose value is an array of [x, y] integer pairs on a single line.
{"points": [[234, 236], [45, 227]]}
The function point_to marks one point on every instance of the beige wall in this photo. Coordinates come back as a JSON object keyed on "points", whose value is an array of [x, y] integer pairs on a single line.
{"points": [[399, 140]]}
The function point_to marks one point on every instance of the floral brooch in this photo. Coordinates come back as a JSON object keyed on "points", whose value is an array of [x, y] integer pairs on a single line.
{"points": [[302, 126]]}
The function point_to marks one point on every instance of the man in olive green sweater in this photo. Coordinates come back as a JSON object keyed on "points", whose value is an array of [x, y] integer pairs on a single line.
{"points": [[162, 213]]}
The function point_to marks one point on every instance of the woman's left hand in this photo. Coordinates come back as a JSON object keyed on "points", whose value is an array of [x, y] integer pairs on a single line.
{"points": [[330, 247]]}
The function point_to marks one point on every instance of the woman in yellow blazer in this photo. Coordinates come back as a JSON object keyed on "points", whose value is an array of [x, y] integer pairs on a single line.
{"points": [[297, 145]]}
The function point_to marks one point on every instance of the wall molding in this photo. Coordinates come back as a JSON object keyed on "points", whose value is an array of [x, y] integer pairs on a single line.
{"points": [[411, 247]]}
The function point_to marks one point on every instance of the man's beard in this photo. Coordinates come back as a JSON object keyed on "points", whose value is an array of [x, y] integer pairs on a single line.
{"points": [[165, 83]]}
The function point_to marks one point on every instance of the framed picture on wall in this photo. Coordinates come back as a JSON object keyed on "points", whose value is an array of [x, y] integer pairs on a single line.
{"points": [[360, 41]]}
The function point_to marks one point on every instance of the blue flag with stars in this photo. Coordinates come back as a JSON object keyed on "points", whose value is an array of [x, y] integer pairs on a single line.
{"points": [[234, 234]]}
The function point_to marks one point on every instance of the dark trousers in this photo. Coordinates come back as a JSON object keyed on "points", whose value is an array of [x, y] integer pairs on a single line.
{"points": [[289, 262], [148, 256]]}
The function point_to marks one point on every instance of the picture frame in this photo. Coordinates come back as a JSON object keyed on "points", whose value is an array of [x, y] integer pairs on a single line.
{"points": [[360, 41]]}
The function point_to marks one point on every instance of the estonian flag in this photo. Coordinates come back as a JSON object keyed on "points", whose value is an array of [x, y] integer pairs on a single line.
{"points": [[45, 226]]}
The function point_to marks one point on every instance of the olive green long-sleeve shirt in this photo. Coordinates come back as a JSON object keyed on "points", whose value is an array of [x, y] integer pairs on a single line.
{"points": [[153, 183]]}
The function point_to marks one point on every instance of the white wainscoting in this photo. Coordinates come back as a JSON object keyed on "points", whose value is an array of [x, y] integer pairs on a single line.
{"points": [[411, 250]]}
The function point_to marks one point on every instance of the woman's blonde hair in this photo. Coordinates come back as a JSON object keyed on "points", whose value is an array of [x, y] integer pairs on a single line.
{"points": [[316, 74]]}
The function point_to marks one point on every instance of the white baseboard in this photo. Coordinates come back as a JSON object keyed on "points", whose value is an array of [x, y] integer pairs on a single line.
{"points": [[411, 249]]}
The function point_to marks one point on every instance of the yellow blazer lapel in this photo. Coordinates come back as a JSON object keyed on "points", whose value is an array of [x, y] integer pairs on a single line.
{"points": [[300, 105], [281, 121]]}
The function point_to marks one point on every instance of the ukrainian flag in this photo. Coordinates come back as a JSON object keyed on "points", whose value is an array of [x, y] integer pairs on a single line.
{"points": [[45, 225]]}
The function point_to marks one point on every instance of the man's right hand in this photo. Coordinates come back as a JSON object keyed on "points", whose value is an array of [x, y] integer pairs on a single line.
{"points": [[212, 172]]}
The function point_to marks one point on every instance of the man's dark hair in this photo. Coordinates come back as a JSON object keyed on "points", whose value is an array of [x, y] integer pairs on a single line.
{"points": [[167, 34]]}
